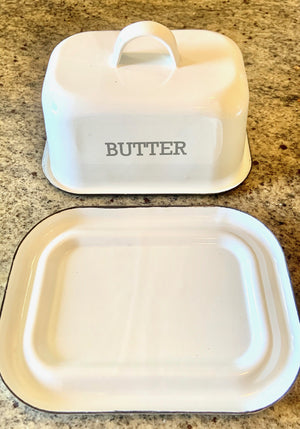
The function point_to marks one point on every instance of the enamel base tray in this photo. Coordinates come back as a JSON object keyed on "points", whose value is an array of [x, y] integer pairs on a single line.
{"points": [[155, 309]]}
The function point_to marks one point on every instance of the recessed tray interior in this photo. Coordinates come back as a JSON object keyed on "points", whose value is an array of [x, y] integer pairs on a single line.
{"points": [[149, 309]]}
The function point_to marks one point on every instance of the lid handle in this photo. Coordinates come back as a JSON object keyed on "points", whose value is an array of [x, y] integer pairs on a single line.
{"points": [[146, 28]]}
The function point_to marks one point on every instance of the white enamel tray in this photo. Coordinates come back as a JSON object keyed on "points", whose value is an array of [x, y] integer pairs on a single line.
{"points": [[149, 309]]}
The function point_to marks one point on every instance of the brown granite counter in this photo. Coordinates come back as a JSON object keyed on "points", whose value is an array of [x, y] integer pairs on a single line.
{"points": [[266, 33]]}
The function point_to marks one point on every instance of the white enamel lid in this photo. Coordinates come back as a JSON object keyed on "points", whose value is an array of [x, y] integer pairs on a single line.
{"points": [[112, 69]]}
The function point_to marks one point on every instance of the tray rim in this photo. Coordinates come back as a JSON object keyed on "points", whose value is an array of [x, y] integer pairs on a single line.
{"points": [[146, 411]]}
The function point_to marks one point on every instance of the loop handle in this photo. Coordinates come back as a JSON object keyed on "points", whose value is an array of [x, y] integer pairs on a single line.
{"points": [[146, 28]]}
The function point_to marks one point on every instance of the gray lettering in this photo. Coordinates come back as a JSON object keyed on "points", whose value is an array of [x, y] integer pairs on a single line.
{"points": [[152, 145], [111, 149], [146, 148], [122, 151], [166, 148], [139, 147], [179, 146]]}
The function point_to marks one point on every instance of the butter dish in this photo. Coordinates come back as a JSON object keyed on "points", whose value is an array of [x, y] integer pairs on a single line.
{"points": [[146, 110]]}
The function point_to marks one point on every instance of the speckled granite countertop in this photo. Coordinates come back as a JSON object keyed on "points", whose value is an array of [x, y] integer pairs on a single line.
{"points": [[266, 34]]}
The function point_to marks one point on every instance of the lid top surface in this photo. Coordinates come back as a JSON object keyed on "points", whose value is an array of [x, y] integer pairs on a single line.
{"points": [[210, 65]]}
